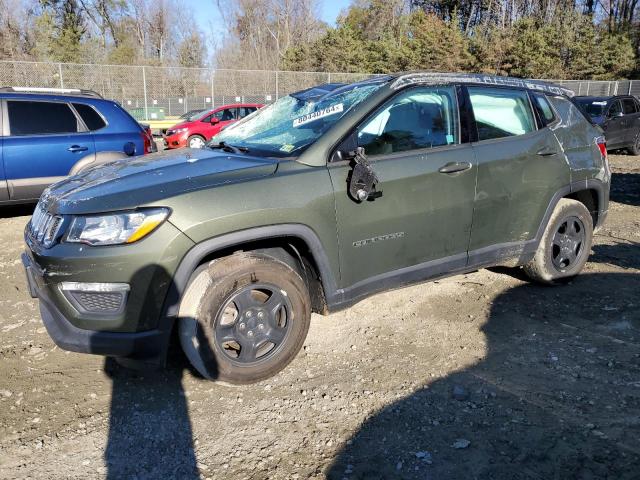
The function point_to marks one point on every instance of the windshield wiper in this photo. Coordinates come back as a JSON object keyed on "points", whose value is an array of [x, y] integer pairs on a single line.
{"points": [[228, 148]]}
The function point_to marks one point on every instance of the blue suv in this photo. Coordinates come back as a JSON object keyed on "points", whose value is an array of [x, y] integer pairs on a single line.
{"points": [[49, 134]]}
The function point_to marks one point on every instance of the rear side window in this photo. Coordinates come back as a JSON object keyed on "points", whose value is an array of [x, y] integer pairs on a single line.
{"points": [[501, 112], [544, 107], [418, 118], [628, 106], [40, 118], [90, 117]]}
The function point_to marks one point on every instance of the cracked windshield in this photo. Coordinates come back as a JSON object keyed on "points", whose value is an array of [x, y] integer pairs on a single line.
{"points": [[289, 125]]}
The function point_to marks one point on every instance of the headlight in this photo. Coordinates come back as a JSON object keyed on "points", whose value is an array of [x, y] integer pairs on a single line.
{"points": [[117, 228], [180, 130]]}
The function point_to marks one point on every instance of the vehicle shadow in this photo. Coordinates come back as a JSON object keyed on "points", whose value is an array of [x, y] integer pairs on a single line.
{"points": [[626, 255], [555, 397], [22, 210], [625, 188]]}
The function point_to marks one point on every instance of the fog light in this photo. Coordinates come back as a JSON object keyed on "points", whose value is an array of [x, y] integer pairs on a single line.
{"points": [[96, 298]]}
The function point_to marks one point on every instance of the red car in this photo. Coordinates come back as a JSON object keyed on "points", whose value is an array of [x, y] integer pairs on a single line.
{"points": [[198, 129]]}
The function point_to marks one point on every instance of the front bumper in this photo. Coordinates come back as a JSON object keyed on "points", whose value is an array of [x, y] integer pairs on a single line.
{"points": [[140, 328], [141, 345], [178, 140]]}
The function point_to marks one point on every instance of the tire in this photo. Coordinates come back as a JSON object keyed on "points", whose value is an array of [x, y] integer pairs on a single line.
{"points": [[196, 141], [635, 148], [243, 318], [565, 244]]}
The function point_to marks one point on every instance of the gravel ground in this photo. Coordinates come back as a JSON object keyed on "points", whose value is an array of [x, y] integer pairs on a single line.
{"points": [[476, 376]]}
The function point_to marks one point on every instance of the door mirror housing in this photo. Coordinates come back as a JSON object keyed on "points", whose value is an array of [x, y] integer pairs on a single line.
{"points": [[214, 120]]}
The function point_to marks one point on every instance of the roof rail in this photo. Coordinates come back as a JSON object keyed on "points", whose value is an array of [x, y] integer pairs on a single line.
{"points": [[434, 78], [58, 91]]}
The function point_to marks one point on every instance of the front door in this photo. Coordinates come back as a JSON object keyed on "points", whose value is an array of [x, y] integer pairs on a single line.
{"points": [[420, 223], [45, 140]]}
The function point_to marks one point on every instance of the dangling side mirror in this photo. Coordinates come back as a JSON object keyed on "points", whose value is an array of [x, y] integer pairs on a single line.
{"points": [[363, 179]]}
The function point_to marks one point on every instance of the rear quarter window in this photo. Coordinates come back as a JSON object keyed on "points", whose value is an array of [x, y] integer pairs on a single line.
{"points": [[90, 117], [40, 118], [545, 109]]}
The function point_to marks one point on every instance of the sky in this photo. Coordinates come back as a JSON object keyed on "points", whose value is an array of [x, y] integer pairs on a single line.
{"points": [[209, 17]]}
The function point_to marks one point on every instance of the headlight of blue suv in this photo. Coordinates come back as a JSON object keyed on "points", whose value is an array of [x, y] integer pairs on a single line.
{"points": [[116, 228]]}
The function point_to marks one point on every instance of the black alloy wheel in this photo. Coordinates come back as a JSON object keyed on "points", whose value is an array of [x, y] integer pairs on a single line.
{"points": [[253, 324], [568, 243]]}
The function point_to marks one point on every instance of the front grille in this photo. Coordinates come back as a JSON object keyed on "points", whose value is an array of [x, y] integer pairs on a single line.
{"points": [[44, 226]]}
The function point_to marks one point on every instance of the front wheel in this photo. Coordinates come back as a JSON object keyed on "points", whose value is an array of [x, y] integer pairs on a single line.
{"points": [[565, 244], [196, 141], [244, 317]]}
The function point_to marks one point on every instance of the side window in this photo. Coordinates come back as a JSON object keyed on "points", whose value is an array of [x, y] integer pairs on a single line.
{"points": [[418, 118], [501, 112], [616, 108], [225, 115], [628, 106], [208, 118], [544, 107], [40, 118], [244, 111], [90, 117]]}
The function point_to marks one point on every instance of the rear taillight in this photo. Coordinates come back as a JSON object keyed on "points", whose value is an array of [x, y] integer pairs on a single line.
{"points": [[602, 146], [146, 141]]}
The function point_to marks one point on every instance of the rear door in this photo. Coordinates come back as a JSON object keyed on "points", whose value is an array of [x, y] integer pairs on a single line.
{"points": [[631, 120], [45, 140], [420, 224], [520, 168]]}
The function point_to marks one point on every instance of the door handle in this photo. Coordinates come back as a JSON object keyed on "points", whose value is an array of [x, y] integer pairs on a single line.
{"points": [[546, 152], [77, 148], [455, 167]]}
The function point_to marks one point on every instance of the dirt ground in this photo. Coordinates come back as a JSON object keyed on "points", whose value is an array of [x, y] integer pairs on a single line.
{"points": [[476, 376]]}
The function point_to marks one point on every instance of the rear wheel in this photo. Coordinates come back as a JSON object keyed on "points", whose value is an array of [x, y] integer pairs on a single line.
{"points": [[635, 148], [196, 141], [244, 317], [565, 244]]}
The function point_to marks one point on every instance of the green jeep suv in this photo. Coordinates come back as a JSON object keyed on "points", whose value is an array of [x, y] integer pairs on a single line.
{"points": [[324, 197]]}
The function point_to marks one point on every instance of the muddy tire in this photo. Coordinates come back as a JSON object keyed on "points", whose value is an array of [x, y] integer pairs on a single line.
{"points": [[565, 244], [244, 317]]}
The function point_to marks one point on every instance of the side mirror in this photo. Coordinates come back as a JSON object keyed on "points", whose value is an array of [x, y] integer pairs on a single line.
{"points": [[214, 120], [617, 115], [362, 179]]}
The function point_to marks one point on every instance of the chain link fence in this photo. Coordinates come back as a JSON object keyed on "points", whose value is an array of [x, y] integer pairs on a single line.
{"points": [[152, 93]]}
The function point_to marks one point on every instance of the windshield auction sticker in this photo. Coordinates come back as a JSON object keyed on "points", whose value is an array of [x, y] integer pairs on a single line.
{"points": [[325, 112]]}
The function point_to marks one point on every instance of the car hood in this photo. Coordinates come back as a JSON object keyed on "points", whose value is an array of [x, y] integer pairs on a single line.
{"points": [[148, 179]]}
